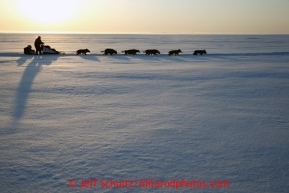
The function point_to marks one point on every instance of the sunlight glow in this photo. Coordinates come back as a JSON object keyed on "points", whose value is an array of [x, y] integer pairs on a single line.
{"points": [[48, 12], [145, 16]]}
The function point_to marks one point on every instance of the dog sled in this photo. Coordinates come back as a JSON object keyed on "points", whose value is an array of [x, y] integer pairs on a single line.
{"points": [[48, 50], [45, 50]]}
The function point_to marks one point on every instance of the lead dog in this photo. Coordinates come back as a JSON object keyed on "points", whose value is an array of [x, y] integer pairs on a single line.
{"points": [[201, 52]]}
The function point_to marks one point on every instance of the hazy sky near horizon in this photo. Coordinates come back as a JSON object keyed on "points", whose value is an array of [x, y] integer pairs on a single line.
{"points": [[146, 16]]}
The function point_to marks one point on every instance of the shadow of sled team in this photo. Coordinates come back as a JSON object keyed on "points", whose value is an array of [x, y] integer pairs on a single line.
{"points": [[45, 49]]}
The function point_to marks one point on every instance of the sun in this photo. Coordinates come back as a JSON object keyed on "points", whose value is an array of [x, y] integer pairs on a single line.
{"points": [[50, 11]]}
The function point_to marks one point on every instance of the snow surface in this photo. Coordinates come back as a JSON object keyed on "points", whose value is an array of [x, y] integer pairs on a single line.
{"points": [[222, 116]]}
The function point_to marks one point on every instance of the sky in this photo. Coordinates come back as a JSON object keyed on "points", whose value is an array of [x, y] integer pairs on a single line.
{"points": [[145, 16]]}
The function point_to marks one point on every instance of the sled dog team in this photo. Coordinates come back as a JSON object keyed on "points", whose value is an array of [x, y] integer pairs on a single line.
{"points": [[39, 45], [134, 52]]}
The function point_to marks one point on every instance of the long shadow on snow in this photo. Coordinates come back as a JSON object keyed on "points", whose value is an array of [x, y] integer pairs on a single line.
{"points": [[149, 58], [24, 87], [23, 59], [118, 57], [174, 58], [90, 57]]}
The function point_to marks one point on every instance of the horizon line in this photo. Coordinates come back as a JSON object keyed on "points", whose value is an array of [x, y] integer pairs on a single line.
{"points": [[132, 33]]}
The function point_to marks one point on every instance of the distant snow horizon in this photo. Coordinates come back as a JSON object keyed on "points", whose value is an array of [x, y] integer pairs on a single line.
{"points": [[132, 33]]}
